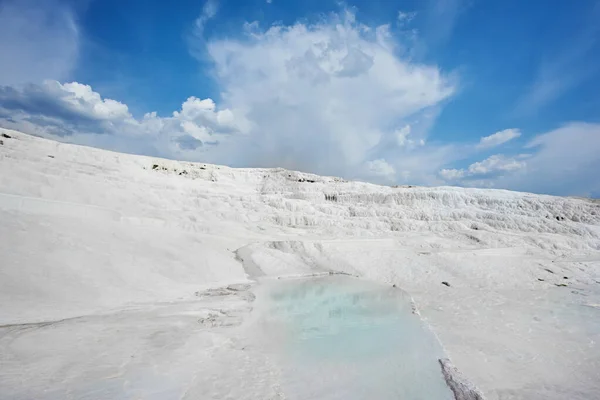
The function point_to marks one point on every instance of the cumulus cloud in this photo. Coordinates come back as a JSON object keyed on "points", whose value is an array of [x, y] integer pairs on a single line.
{"points": [[499, 138], [322, 96], [38, 40], [332, 97], [62, 109], [492, 165], [79, 114], [495, 163]]}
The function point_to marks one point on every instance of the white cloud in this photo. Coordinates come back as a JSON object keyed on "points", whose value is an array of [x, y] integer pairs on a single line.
{"points": [[335, 97], [78, 114], [404, 17], [332, 98], [208, 12], [452, 174], [38, 40], [563, 161], [492, 165], [380, 168], [322, 97], [495, 163], [327, 97], [403, 140], [82, 99], [499, 138]]}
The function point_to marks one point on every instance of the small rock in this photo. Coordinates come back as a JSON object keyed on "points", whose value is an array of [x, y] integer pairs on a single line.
{"points": [[446, 283], [1, 142], [565, 277], [49, 156], [155, 166], [540, 279], [394, 285], [4, 135], [561, 284]]}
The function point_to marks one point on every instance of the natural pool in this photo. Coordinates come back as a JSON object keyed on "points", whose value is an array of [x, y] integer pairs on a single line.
{"points": [[333, 337], [338, 337]]}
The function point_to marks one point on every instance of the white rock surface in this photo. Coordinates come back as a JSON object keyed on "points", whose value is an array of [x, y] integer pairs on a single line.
{"points": [[88, 235]]}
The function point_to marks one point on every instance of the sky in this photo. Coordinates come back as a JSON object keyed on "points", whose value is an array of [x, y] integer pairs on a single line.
{"points": [[474, 93]]}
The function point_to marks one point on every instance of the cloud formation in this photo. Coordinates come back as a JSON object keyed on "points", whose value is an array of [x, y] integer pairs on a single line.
{"points": [[405, 17], [332, 97], [565, 160], [492, 165], [208, 12], [498, 138], [381, 168], [322, 97], [562, 161], [78, 114]]}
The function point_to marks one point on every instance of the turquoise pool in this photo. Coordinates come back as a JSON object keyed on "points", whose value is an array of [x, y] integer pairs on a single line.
{"points": [[338, 337]]}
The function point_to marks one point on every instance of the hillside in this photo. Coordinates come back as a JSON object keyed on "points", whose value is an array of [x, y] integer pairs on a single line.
{"points": [[87, 232]]}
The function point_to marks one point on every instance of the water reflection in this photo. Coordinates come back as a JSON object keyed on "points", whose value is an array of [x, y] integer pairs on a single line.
{"points": [[342, 338]]}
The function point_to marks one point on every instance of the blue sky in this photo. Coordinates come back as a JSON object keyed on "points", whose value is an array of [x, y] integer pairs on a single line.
{"points": [[482, 93]]}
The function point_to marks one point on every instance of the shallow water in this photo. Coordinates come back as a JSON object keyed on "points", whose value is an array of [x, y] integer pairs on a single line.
{"points": [[327, 338], [338, 337]]}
